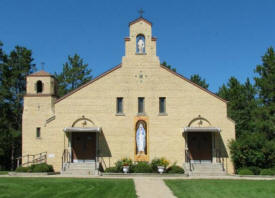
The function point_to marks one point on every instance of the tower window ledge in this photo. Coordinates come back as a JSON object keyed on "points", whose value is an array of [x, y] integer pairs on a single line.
{"points": [[141, 53]]}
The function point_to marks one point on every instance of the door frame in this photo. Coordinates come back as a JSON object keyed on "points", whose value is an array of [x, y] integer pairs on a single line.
{"points": [[212, 134]]}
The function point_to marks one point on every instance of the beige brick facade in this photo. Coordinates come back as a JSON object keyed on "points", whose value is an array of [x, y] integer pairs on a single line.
{"points": [[139, 75]]}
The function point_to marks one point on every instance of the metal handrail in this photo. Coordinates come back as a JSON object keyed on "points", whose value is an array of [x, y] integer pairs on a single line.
{"points": [[36, 159], [66, 157], [188, 159]]}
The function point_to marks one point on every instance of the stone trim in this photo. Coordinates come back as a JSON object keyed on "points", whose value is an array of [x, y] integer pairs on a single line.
{"points": [[140, 19], [187, 80]]}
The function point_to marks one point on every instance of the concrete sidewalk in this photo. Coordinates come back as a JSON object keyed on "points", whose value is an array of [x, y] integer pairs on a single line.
{"points": [[152, 187]]}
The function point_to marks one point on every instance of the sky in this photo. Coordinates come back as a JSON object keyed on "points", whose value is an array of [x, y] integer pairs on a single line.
{"points": [[216, 39]]}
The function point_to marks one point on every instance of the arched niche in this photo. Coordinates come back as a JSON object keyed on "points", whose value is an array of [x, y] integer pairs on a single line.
{"points": [[140, 44], [199, 122], [39, 86], [83, 122], [141, 127]]}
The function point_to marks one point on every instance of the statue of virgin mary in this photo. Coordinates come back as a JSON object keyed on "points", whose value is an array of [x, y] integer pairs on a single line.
{"points": [[141, 139]]}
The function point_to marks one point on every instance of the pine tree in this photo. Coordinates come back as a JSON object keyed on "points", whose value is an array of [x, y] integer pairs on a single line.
{"points": [[265, 83], [199, 81], [74, 74]]}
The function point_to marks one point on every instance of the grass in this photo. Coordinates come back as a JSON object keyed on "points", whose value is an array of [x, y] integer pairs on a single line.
{"points": [[4, 172], [222, 188], [66, 187]]}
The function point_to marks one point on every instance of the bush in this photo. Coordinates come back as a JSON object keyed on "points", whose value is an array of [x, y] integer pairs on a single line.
{"points": [[175, 169], [256, 170], [267, 172], [22, 169], [36, 168], [42, 168], [245, 171], [159, 162], [141, 167], [111, 170]]}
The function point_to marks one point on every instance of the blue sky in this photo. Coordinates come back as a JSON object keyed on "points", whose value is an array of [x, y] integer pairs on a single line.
{"points": [[215, 38]]}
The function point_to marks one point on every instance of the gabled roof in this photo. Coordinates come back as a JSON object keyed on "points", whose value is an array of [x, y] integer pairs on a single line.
{"points": [[140, 19], [189, 81], [90, 82], [40, 73]]}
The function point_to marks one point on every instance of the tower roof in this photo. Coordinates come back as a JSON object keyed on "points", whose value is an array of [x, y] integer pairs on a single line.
{"points": [[40, 73], [140, 19]]}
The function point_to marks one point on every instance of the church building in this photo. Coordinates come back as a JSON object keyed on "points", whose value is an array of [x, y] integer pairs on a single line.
{"points": [[138, 109]]}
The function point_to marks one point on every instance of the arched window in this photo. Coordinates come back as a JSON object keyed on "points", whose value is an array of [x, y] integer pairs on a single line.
{"points": [[140, 43], [39, 86]]}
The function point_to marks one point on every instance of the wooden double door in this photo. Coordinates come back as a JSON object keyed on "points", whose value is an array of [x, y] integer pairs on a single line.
{"points": [[83, 146], [200, 146]]}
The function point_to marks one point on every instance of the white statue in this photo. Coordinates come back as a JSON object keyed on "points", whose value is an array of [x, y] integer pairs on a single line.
{"points": [[140, 46], [140, 139]]}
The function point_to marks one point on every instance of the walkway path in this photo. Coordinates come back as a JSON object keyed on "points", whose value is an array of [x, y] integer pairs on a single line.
{"points": [[152, 188]]}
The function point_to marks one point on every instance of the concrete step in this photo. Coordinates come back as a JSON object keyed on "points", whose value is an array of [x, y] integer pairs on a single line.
{"points": [[78, 172], [206, 169], [79, 169]]}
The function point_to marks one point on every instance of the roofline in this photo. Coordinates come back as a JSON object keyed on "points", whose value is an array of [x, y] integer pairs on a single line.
{"points": [[139, 19], [189, 81], [90, 82]]}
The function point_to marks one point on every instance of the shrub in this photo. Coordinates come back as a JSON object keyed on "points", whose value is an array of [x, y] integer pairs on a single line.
{"points": [[175, 169], [267, 172], [245, 171], [256, 170], [159, 162], [38, 168], [111, 170], [141, 167], [35, 168], [22, 169]]}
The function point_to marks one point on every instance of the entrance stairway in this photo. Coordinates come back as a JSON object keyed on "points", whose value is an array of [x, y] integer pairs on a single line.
{"points": [[83, 168], [205, 169]]}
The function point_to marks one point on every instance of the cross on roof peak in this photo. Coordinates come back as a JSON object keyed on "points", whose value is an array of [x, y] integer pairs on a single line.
{"points": [[141, 11]]}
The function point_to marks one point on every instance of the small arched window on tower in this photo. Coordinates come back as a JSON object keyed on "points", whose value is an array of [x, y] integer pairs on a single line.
{"points": [[39, 86], [140, 43]]}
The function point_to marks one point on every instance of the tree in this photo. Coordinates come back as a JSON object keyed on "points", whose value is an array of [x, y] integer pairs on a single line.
{"points": [[265, 83], [241, 105], [168, 66], [199, 81], [14, 69], [74, 74]]}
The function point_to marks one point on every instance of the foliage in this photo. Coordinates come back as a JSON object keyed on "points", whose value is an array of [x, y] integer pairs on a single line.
{"points": [[217, 188], [265, 83], [14, 67], [141, 167], [111, 170], [159, 162], [267, 172], [168, 66], [175, 169], [199, 81], [35, 168], [256, 170], [22, 169], [22, 187], [126, 162], [123, 162], [253, 150], [242, 104], [245, 171], [74, 74]]}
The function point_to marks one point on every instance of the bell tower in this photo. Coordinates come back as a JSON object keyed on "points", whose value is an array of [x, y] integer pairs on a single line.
{"points": [[140, 46], [41, 93]]}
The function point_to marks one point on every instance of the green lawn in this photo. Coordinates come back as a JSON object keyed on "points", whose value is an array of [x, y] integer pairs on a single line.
{"points": [[222, 188], [66, 187], [3, 172]]}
